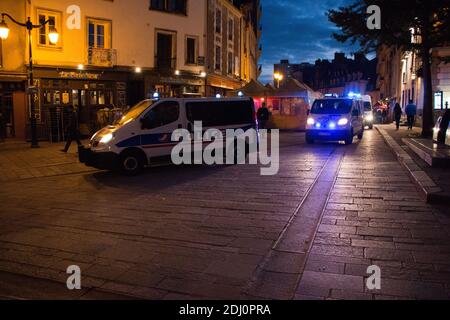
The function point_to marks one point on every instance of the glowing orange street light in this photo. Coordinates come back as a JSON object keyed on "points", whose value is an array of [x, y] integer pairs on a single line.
{"points": [[279, 77], [53, 37]]}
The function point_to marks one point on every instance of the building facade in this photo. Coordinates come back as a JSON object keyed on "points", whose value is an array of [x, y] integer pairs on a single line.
{"points": [[339, 76], [111, 54], [13, 74], [251, 49], [224, 25], [400, 78]]}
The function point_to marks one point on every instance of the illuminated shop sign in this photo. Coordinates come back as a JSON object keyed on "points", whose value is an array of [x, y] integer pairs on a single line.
{"points": [[79, 75]]}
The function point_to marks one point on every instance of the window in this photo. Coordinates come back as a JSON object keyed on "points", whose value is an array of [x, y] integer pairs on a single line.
{"points": [[217, 114], [218, 56], [161, 115], [54, 19], [230, 66], [99, 34], [231, 29], [170, 6], [191, 50], [165, 54], [218, 21], [332, 106]]}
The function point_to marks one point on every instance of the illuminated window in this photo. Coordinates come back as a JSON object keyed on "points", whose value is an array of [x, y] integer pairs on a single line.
{"points": [[54, 21], [99, 34]]}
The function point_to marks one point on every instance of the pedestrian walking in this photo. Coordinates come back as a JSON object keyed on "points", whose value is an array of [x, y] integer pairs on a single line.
{"points": [[398, 115], [263, 116], [411, 112], [73, 131], [2, 127]]}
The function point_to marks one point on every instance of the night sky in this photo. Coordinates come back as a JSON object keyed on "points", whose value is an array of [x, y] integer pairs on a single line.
{"points": [[298, 30]]}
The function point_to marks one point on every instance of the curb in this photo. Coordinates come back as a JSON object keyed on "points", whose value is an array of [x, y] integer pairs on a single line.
{"points": [[429, 190]]}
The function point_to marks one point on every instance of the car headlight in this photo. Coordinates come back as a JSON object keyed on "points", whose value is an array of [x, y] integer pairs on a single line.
{"points": [[369, 118], [343, 122], [106, 138], [310, 121]]}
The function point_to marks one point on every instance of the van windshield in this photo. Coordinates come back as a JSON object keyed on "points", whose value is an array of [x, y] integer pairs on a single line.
{"points": [[135, 112], [332, 106], [367, 106]]}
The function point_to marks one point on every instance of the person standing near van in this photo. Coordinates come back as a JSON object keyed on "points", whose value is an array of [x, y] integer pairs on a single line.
{"points": [[398, 115], [263, 116], [411, 112], [73, 131]]}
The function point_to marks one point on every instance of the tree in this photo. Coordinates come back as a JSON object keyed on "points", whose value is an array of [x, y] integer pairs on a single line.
{"points": [[429, 18]]}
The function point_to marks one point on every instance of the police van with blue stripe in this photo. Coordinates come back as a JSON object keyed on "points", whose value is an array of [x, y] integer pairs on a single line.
{"points": [[336, 118], [143, 136]]}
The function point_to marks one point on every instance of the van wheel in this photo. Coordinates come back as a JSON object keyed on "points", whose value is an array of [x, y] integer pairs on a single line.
{"points": [[349, 139], [131, 163], [371, 127]]}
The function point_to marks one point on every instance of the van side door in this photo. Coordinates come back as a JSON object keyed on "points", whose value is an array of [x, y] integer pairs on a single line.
{"points": [[157, 127]]}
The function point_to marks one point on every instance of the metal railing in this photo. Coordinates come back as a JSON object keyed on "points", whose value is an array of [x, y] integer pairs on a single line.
{"points": [[164, 63]]}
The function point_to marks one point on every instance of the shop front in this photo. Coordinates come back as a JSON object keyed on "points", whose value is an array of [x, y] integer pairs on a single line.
{"points": [[183, 85], [12, 93], [217, 84], [98, 96]]}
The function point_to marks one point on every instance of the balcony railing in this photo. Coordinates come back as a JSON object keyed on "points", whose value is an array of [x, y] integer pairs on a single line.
{"points": [[102, 57], [165, 64]]}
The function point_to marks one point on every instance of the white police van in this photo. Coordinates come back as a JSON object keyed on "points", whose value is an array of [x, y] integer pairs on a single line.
{"points": [[368, 111], [335, 119], [144, 134]]}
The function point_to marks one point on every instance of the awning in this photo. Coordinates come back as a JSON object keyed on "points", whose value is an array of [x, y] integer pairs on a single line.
{"points": [[253, 89]]}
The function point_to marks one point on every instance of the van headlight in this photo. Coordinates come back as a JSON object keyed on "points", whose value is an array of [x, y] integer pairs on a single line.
{"points": [[310, 121], [106, 138], [343, 122], [369, 118]]}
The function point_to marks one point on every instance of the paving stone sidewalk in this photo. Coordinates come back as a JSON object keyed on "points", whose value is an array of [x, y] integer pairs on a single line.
{"points": [[18, 161], [441, 176], [375, 216]]}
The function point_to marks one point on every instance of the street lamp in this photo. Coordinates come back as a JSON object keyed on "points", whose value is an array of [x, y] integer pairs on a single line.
{"points": [[53, 38], [279, 77]]}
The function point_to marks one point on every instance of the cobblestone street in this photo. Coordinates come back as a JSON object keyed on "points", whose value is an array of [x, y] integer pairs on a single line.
{"points": [[197, 232]]}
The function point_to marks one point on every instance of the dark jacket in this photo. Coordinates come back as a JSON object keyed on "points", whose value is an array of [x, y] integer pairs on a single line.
{"points": [[397, 111], [72, 127], [263, 114]]}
